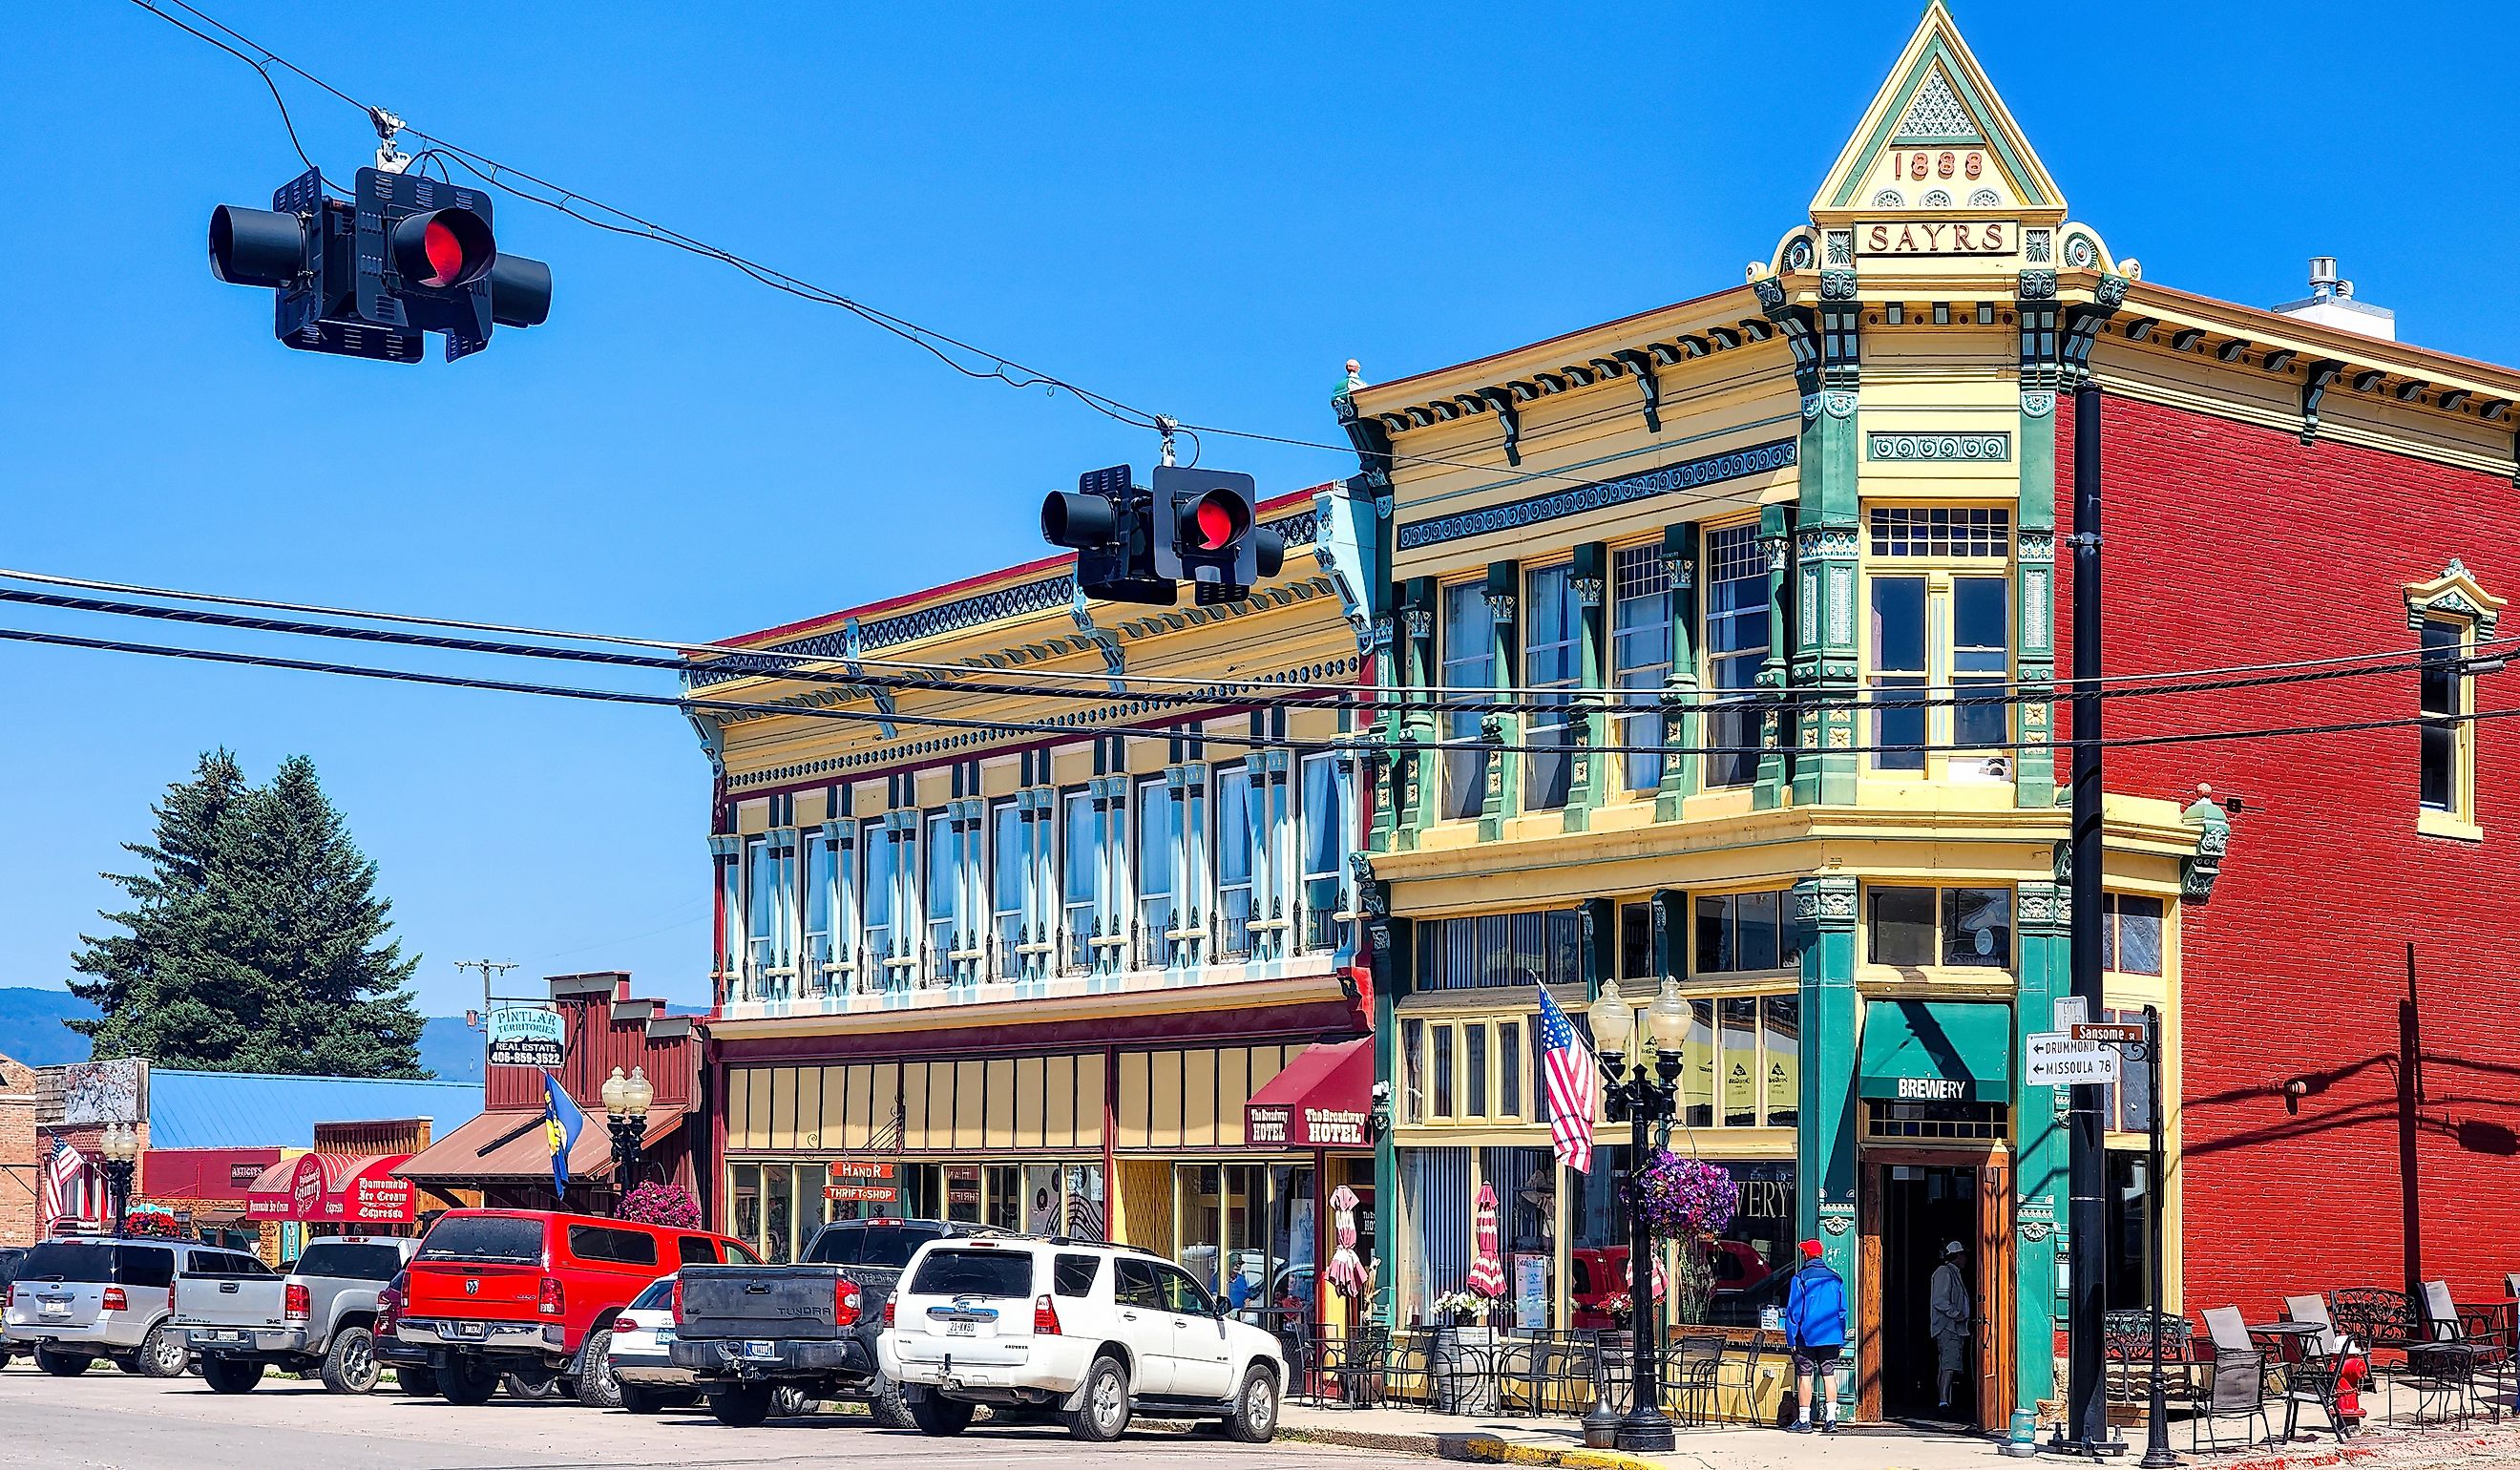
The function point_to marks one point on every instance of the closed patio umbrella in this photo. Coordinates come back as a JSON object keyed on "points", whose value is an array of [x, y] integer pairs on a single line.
{"points": [[1487, 1271], [1346, 1272]]}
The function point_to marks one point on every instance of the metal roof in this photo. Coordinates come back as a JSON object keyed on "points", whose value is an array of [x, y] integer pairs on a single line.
{"points": [[251, 1109]]}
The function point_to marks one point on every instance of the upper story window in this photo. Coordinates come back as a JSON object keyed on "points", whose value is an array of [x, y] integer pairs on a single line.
{"points": [[1323, 850], [1080, 864], [1551, 661], [1236, 848], [1468, 644], [1639, 658], [830, 907], [1955, 926], [1009, 864], [891, 878], [1744, 931], [2131, 934], [1737, 644], [1500, 950], [2445, 782], [770, 910], [947, 933], [1939, 626], [1158, 864]]}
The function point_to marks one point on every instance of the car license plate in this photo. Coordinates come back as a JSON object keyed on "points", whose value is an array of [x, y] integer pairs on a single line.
{"points": [[222, 1337], [760, 1348], [57, 1309], [962, 1329], [470, 1329]]}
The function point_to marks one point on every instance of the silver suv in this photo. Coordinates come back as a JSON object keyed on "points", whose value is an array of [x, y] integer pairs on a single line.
{"points": [[82, 1298]]}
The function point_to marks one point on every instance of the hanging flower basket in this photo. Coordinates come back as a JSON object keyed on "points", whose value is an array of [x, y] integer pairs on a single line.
{"points": [[1683, 1199], [668, 1205]]}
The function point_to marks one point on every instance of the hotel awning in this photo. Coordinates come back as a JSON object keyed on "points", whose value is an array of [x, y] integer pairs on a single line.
{"points": [[1937, 1050], [1321, 1100]]}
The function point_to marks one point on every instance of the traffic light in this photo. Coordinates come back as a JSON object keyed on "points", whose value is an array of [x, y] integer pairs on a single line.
{"points": [[1207, 532], [1104, 519], [367, 278]]}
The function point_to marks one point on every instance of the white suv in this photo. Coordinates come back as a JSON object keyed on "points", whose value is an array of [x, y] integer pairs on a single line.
{"points": [[1089, 1332]]}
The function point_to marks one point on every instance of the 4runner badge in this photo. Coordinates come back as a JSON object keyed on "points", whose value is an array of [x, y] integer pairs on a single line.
{"points": [[472, 1288]]}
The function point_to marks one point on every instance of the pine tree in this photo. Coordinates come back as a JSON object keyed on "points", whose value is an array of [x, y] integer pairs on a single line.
{"points": [[257, 943]]}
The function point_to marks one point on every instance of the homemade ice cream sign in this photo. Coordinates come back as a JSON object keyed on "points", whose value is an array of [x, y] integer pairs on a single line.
{"points": [[527, 1036]]}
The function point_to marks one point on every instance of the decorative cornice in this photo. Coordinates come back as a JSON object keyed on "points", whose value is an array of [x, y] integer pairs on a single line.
{"points": [[1913, 448], [1689, 475]]}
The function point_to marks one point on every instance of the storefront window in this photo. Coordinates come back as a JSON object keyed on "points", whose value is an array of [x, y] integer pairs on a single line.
{"points": [[1435, 1196], [1006, 1199], [1698, 1064], [1294, 1225], [1442, 1066], [963, 1192], [1758, 1244], [1741, 1080], [1781, 1034], [1524, 1180], [2130, 1214], [1500, 950], [1509, 1069], [1743, 932], [777, 1214], [746, 1215], [1412, 1051], [1085, 1213]]}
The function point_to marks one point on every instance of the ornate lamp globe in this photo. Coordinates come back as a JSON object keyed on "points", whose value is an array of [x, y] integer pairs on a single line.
{"points": [[1612, 1021], [1668, 1019], [615, 1087], [637, 1092]]}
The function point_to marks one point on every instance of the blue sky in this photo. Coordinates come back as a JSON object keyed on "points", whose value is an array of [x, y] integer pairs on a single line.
{"points": [[1202, 209]]}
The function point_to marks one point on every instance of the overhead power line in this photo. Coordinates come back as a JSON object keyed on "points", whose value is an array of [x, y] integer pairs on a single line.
{"points": [[1354, 741]]}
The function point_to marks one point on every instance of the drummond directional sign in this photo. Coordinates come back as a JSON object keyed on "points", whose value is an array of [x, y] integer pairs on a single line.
{"points": [[2058, 1060]]}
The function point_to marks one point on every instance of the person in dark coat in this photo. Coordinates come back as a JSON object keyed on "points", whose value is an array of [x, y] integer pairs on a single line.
{"points": [[1816, 1333]]}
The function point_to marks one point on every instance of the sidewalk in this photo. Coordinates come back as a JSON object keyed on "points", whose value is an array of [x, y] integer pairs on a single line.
{"points": [[1559, 1441]]}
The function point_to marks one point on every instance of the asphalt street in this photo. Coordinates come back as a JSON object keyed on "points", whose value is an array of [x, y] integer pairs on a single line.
{"points": [[110, 1419]]}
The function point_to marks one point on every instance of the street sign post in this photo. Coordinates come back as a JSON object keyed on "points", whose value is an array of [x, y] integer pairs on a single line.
{"points": [[2058, 1060], [2110, 1033]]}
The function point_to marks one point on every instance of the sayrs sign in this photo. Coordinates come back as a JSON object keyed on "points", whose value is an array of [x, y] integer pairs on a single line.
{"points": [[1936, 236], [1275, 1125]]}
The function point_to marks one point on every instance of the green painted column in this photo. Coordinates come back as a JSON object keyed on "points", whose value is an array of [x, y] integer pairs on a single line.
{"points": [[1681, 726], [1590, 777], [2034, 567], [1826, 551], [1394, 943], [1776, 672], [1825, 912], [1502, 728], [2038, 1144], [1411, 768]]}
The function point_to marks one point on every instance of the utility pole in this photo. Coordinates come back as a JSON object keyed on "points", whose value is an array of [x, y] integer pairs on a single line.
{"points": [[488, 968]]}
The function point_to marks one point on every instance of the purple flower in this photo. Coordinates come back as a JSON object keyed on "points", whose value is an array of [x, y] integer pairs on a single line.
{"points": [[1682, 1198]]}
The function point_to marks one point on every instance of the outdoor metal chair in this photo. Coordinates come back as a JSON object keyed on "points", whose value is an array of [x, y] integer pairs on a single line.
{"points": [[2235, 1388], [2376, 1317], [1357, 1365], [2128, 1356], [2443, 1368], [1693, 1380], [2313, 1377], [1546, 1373]]}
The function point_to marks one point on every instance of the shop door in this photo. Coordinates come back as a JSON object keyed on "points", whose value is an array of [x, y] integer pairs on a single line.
{"points": [[1914, 1207]]}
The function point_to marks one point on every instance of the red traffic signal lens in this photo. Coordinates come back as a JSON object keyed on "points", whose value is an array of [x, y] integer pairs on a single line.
{"points": [[443, 248], [1218, 520]]}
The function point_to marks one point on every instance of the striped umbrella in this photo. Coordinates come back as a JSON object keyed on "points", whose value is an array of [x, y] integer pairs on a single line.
{"points": [[1487, 1271], [1346, 1272]]}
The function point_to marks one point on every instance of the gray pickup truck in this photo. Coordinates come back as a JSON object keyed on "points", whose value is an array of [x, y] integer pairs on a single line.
{"points": [[748, 1331], [319, 1318]]}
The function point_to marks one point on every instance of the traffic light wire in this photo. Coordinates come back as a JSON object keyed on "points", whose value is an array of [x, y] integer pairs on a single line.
{"points": [[263, 68], [1357, 741]]}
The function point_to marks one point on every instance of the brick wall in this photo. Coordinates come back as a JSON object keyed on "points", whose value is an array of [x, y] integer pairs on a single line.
{"points": [[2229, 544], [20, 1176]]}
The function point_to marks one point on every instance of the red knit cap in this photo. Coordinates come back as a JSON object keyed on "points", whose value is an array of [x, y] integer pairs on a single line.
{"points": [[1810, 1247]]}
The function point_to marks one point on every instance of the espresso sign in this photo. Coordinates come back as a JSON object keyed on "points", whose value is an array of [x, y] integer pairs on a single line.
{"points": [[1937, 237]]}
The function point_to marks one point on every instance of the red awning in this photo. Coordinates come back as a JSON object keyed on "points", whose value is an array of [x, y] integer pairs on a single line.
{"points": [[1320, 1101], [336, 1188]]}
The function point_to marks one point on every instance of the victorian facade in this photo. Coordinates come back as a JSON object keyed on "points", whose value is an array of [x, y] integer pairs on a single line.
{"points": [[1724, 658], [1036, 912]]}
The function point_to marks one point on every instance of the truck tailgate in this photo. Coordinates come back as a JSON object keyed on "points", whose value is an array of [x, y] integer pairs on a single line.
{"points": [[764, 1302], [505, 1293], [230, 1302]]}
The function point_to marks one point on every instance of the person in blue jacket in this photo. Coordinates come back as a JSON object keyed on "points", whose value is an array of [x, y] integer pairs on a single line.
{"points": [[1815, 1332]]}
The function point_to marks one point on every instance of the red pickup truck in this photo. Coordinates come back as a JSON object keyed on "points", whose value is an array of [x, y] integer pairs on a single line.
{"points": [[531, 1294]]}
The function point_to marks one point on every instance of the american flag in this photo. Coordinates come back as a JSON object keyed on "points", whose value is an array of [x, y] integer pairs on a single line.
{"points": [[1567, 1066], [64, 1173]]}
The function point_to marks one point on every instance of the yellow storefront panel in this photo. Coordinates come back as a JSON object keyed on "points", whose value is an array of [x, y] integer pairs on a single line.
{"points": [[809, 1106], [1198, 1096], [738, 1108], [1137, 1087], [998, 1123], [1163, 1099], [1090, 1104], [1029, 1129], [970, 1102], [914, 1106]]}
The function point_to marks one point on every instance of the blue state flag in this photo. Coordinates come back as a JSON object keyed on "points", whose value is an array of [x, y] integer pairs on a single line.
{"points": [[561, 1124]]}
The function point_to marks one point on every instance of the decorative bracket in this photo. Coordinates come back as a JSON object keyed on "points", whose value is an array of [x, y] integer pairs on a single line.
{"points": [[1648, 383], [1104, 639], [2196, 874], [2314, 387], [1502, 400], [852, 649]]}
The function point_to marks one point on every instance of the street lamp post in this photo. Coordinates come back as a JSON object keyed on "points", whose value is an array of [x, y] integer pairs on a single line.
{"points": [[1640, 1097], [121, 1143], [625, 1108]]}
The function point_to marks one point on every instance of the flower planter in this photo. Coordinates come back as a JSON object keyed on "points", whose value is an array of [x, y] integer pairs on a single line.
{"points": [[1464, 1382]]}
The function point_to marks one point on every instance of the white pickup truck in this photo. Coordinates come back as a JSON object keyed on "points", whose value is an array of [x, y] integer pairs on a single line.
{"points": [[319, 1318]]}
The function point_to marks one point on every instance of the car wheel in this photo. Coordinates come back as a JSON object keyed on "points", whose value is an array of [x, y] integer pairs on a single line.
{"points": [[417, 1379], [162, 1353], [228, 1375], [62, 1364], [641, 1401], [787, 1401], [938, 1415], [350, 1364], [740, 1407], [1253, 1418], [467, 1381], [890, 1409], [597, 1386], [1104, 1414]]}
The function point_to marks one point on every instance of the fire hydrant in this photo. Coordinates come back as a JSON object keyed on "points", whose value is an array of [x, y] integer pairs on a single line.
{"points": [[2353, 1371]]}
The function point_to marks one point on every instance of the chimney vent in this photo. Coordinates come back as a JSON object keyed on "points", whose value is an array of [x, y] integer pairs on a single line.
{"points": [[2332, 303]]}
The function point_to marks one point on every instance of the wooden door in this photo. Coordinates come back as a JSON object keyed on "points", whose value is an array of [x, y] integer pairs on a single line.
{"points": [[1994, 1327], [1867, 1292]]}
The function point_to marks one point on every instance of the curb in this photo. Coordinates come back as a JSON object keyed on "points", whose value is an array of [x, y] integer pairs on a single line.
{"points": [[1482, 1449]]}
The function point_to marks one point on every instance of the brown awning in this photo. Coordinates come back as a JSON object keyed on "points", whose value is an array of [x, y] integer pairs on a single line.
{"points": [[511, 1146]]}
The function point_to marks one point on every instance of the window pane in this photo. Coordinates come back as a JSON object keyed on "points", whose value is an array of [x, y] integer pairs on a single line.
{"points": [[2138, 935], [1755, 925], [1736, 642], [1468, 657], [1509, 1069], [1636, 941], [1551, 624], [1443, 1069], [1781, 1024], [1006, 862], [1474, 1070], [1234, 838], [1902, 926], [1158, 824], [1898, 670], [1981, 658], [1714, 934], [1741, 1081], [1640, 656], [1698, 1064], [1979, 927], [1413, 1057], [1080, 841]]}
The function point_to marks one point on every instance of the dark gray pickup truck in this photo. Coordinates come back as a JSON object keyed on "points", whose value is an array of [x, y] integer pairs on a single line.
{"points": [[748, 1331]]}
